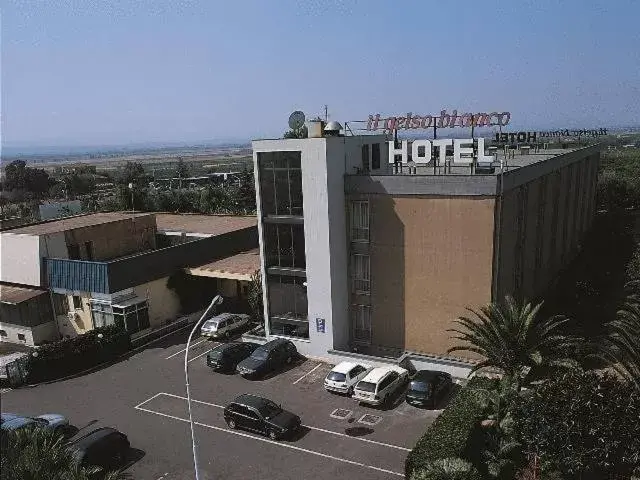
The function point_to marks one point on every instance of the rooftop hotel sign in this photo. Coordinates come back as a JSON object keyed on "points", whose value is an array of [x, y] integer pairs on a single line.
{"points": [[421, 151], [414, 122]]}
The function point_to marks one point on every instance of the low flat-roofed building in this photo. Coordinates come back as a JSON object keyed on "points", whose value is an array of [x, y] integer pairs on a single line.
{"points": [[98, 269]]}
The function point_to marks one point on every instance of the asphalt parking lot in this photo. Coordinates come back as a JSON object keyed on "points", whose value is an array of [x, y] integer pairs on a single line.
{"points": [[144, 397]]}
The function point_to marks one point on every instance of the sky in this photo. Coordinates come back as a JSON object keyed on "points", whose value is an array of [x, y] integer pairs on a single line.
{"points": [[103, 72]]}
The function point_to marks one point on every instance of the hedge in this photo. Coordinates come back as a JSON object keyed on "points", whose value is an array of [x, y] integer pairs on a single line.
{"points": [[454, 433], [69, 356]]}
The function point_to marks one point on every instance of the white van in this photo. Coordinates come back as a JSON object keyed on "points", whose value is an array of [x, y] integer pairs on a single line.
{"points": [[379, 384]]}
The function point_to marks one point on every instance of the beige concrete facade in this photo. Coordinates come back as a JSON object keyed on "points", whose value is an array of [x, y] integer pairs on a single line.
{"points": [[433, 256], [78, 320], [164, 304], [430, 257], [115, 239]]}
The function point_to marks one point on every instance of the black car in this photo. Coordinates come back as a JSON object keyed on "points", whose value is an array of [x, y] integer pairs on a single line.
{"points": [[257, 414], [268, 357], [226, 357], [427, 387], [105, 447]]}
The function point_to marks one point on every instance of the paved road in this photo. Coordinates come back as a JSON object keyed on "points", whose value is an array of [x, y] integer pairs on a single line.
{"points": [[144, 397]]}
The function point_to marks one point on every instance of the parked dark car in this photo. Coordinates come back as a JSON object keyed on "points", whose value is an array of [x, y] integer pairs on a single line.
{"points": [[427, 387], [225, 357], [268, 357], [105, 447], [261, 415]]}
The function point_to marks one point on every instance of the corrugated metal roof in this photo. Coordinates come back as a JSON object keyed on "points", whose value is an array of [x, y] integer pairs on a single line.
{"points": [[17, 294]]}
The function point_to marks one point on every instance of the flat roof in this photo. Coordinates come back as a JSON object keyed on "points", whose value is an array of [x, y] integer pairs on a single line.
{"points": [[77, 221], [15, 294], [240, 266], [204, 224]]}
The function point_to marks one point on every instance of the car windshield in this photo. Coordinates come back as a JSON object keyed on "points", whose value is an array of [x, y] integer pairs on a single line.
{"points": [[215, 354], [211, 324], [366, 386], [269, 409], [420, 386], [260, 354], [336, 377]]}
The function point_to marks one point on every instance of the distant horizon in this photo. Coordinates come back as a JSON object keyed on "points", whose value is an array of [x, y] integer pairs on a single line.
{"points": [[36, 149]]}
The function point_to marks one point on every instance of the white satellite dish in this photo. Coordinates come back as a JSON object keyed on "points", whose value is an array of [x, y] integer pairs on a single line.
{"points": [[296, 120]]}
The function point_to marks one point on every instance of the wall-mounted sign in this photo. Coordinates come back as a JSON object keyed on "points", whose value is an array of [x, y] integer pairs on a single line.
{"points": [[411, 121], [320, 325], [521, 137], [421, 151]]}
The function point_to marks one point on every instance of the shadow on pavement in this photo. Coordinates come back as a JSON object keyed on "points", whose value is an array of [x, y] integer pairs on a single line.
{"points": [[299, 434], [133, 455], [358, 431]]}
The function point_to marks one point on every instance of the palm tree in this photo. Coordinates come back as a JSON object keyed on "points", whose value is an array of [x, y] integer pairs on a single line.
{"points": [[620, 346], [32, 454], [516, 340]]}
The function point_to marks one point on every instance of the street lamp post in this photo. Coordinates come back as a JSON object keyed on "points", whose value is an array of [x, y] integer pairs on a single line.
{"points": [[216, 301]]}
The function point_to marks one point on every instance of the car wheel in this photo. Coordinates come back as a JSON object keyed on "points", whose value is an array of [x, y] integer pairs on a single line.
{"points": [[350, 391], [273, 435], [227, 335], [232, 423]]}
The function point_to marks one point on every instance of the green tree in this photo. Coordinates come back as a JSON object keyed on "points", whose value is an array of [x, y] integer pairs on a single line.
{"points": [[584, 425], [620, 346], [254, 296], [301, 132], [132, 172], [447, 469], [33, 181], [247, 192], [513, 338], [34, 454], [182, 170]]}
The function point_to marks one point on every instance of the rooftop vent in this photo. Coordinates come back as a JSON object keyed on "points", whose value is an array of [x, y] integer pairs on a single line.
{"points": [[332, 129]]}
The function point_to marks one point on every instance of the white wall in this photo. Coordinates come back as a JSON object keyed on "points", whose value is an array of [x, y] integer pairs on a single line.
{"points": [[33, 336], [20, 259]]}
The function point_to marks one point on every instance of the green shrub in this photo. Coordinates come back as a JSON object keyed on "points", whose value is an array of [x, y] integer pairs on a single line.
{"points": [[447, 469], [583, 425], [69, 356], [454, 434]]}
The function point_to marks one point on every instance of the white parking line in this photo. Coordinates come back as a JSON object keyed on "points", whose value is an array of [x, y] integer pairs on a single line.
{"points": [[195, 358], [309, 372], [339, 434], [190, 346], [283, 445], [148, 399]]}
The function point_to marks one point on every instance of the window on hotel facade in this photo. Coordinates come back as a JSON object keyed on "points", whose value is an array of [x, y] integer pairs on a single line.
{"points": [[280, 183], [361, 322], [284, 245], [360, 220], [365, 158], [375, 156], [360, 274], [287, 306]]}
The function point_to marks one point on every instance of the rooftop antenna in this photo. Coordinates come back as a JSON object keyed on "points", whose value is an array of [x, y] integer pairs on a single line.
{"points": [[326, 113]]}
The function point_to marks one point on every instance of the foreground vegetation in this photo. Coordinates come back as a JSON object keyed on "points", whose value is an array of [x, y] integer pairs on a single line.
{"points": [[37, 454], [549, 415]]}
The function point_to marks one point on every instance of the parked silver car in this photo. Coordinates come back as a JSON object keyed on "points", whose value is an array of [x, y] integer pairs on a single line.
{"points": [[224, 325], [50, 421]]}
